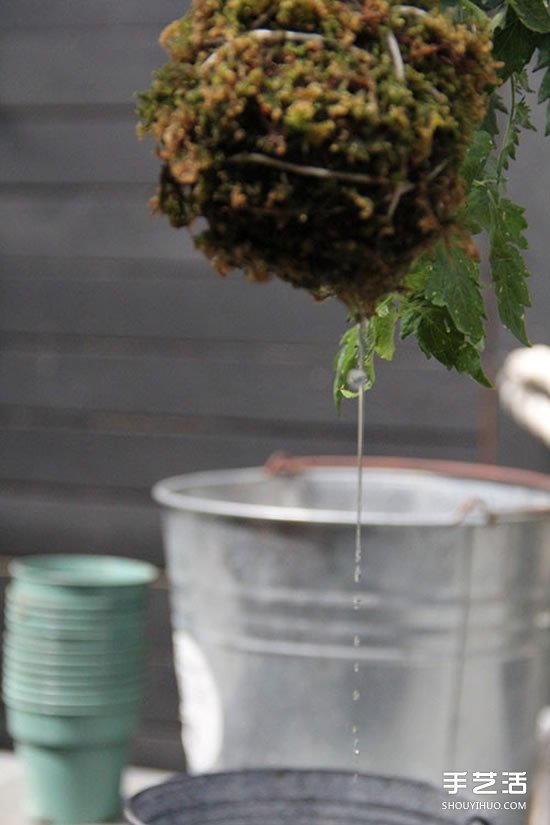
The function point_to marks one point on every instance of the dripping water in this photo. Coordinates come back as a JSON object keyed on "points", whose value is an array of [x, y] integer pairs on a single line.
{"points": [[356, 381]]}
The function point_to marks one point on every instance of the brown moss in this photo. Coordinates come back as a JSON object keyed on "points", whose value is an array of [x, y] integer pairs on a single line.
{"points": [[321, 140]]}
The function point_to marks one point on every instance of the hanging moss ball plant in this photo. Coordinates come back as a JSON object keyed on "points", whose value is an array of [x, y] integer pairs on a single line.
{"points": [[320, 140]]}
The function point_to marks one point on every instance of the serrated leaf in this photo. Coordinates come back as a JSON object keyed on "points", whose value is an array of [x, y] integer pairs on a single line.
{"points": [[543, 62], [454, 283], [533, 14], [543, 56], [490, 124], [346, 359], [513, 219], [520, 118], [419, 273], [544, 88], [469, 361], [438, 337], [378, 340], [474, 11], [382, 329], [477, 156], [514, 45], [509, 274], [506, 223], [522, 80], [478, 207]]}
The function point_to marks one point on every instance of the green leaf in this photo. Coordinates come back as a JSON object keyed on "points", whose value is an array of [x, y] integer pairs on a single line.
{"points": [[346, 359], [509, 274], [505, 222], [478, 207], [544, 89], [519, 119], [513, 219], [496, 104], [381, 332], [543, 62], [472, 11], [508, 268], [419, 273], [533, 14], [477, 156], [379, 340], [438, 337], [454, 283], [514, 45]]}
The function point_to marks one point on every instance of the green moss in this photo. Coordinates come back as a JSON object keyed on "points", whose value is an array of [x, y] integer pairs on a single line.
{"points": [[247, 123]]}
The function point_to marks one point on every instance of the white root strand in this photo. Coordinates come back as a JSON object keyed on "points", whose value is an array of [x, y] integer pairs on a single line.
{"points": [[398, 193], [300, 169], [396, 56], [278, 36], [411, 10]]}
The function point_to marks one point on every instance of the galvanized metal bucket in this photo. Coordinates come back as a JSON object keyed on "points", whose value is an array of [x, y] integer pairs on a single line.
{"points": [[452, 617]]}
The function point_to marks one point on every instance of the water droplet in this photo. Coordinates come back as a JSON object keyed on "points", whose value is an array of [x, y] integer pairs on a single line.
{"points": [[355, 730], [357, 575], [356, 379], [356, 602], [356, 641], [356, 695], [356, 667]]}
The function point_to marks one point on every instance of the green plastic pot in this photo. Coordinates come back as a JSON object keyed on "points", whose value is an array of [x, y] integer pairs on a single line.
{"points": [[72, 764], [58, 708], [90, 666], [65, 730], [70, 696], [83, 604], [31, 614], [73, 678], [69, 786], [106, 582], [117, 632], [40, 646]]}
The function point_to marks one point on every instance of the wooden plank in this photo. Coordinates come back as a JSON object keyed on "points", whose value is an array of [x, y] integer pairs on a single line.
{"points": [[82, 147], [518, 448], [30, 13], [158, 746], [403, 399], [161, 703], [64, 64], [136, 462], [55, 523], [92, 221], [184, 303]]}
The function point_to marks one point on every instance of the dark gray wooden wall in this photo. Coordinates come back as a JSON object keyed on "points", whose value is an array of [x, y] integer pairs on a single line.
{"points": [[126, 359]]}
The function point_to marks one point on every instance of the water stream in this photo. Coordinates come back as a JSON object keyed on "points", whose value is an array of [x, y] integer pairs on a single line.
{"points": [[357, 381]]}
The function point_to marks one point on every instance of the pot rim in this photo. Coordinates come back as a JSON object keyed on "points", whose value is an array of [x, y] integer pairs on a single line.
{"points": [[199, 790], [172, 492]]}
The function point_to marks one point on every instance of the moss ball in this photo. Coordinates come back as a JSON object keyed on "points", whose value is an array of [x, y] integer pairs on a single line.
{"points": [[320, 140]]}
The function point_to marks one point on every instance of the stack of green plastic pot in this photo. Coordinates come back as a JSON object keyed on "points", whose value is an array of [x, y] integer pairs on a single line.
{"points": [[73, 679]]}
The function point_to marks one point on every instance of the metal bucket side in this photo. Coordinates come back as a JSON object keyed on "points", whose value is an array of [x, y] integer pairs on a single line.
{"points": [[264, 627]]}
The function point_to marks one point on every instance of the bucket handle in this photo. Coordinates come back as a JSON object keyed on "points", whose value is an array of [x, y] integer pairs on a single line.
{"points": [[281, 464]]}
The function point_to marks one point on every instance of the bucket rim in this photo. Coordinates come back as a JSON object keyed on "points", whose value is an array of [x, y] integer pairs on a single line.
{"points": [[427, 794], [171, 494]]}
